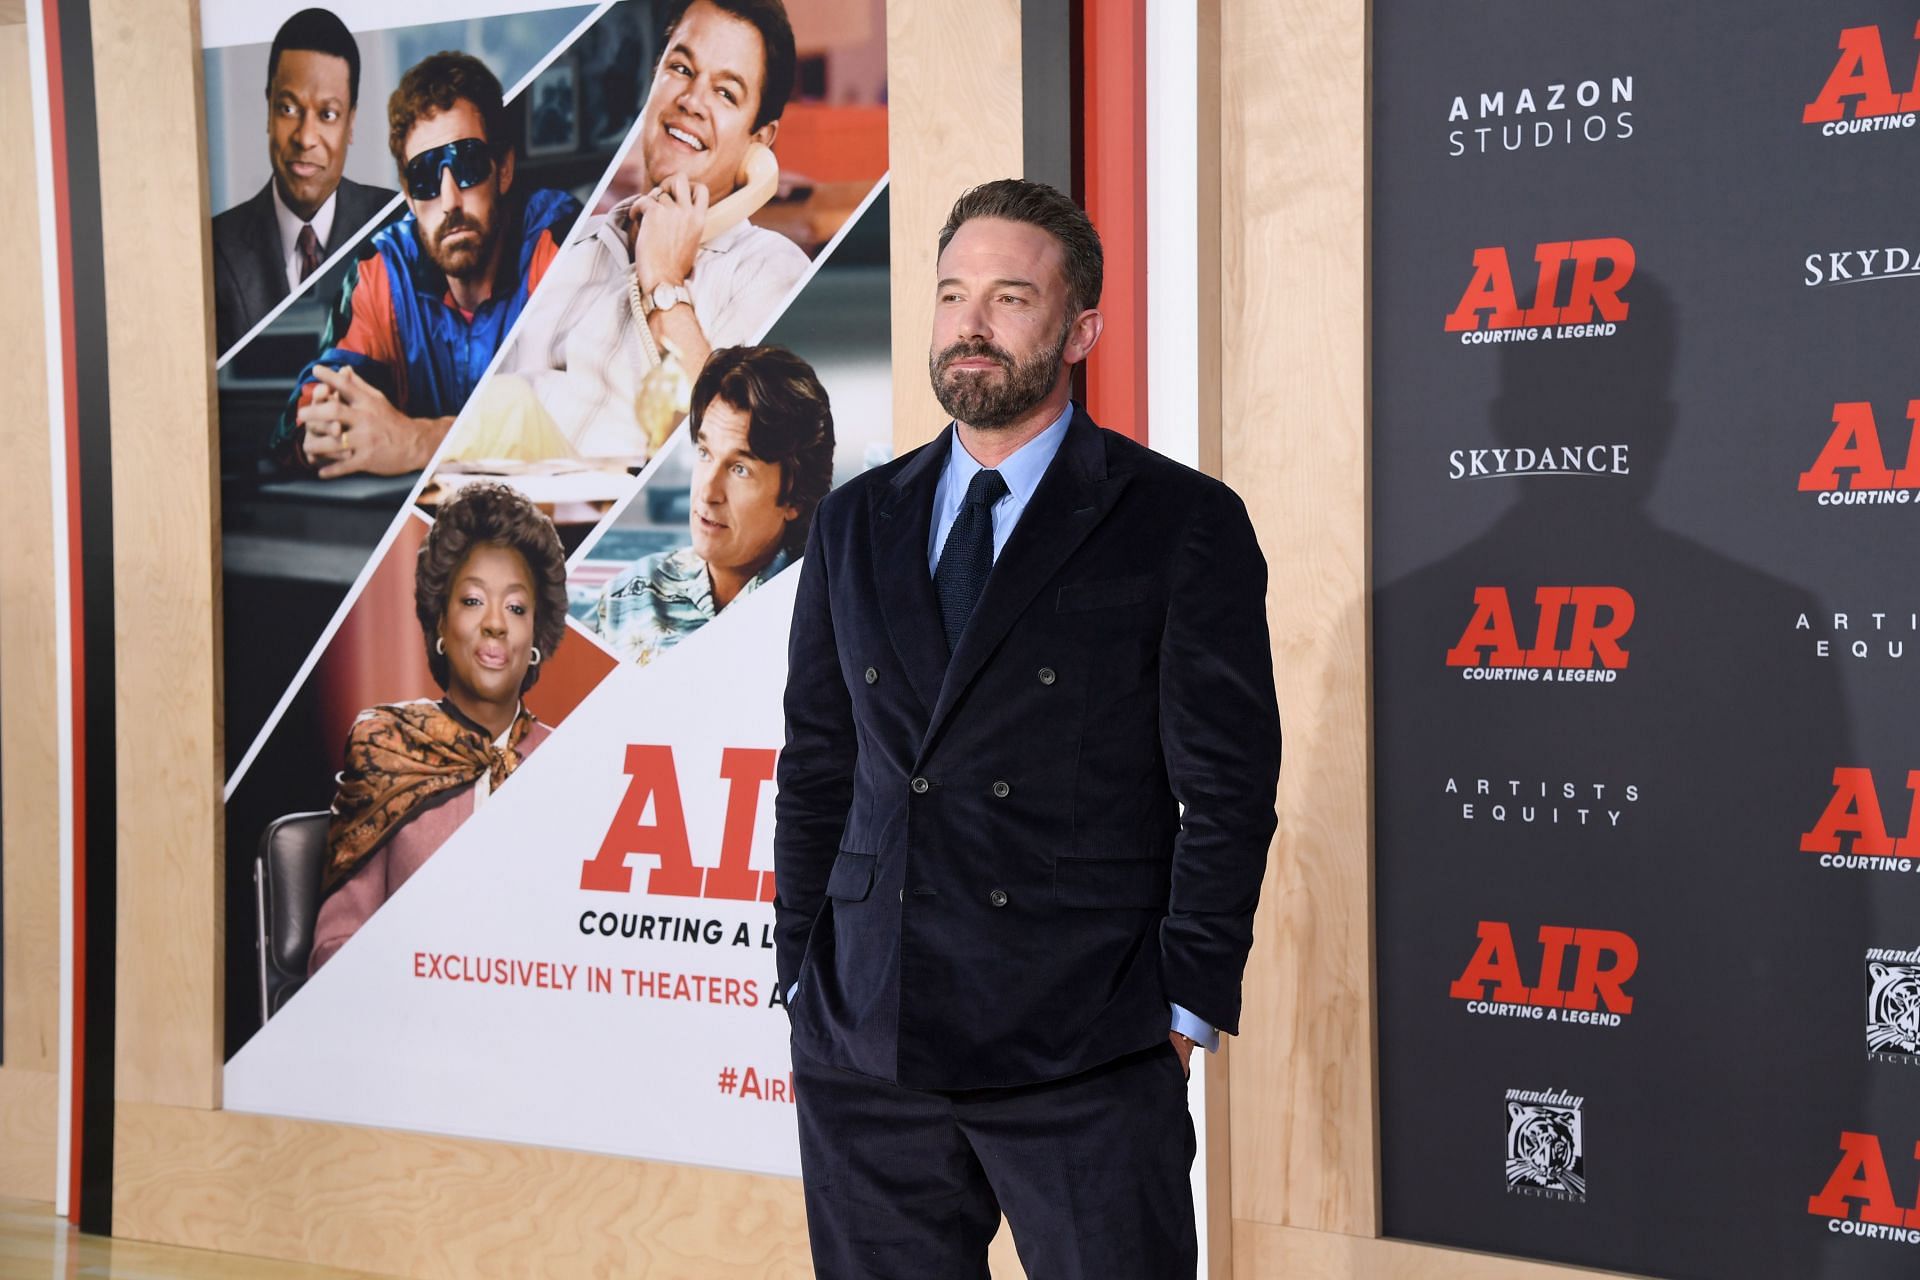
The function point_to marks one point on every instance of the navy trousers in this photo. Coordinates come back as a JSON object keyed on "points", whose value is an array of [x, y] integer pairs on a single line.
{"points": [[1091, 1171]]}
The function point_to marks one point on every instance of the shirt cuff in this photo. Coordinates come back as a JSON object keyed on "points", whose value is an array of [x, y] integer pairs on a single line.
{"points": [[1190, 1026], [793, 990]]}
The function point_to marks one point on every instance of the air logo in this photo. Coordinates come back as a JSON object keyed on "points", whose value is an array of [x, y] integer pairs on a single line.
{"points": [[1596, 271], [1861, 1178], [1854, 815], [1852, 469], [1604, 961], [1594, 621], [1862, 79], [653, 787]]}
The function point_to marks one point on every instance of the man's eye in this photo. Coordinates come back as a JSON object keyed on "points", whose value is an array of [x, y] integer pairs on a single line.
{"points": [[680, 68], [741, 469], [329, 115], [1012, 300], [728, 95], [284, 108]]}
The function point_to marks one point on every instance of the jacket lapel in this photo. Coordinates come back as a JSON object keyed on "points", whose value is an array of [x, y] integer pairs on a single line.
{"points": [[1073, 497], [270, 264], [902, 521]]}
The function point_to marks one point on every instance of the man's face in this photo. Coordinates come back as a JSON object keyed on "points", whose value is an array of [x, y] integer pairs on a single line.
{"points": [[699, 116], [1000, 325], [309, 124], [458, 227], [737, 518]]}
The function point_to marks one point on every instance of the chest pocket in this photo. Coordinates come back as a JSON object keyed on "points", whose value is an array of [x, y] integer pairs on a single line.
{"points": [[1104, 593]]}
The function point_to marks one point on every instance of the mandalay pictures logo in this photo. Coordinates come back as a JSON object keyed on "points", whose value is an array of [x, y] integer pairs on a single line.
{"points": [[1861, 1178], [1546, 1145], [1858, 96], [1588, 274], [1852, 832], [1578, 637], [1560, 113], [1853, 468], [1893, 1006], [1602, 962]]}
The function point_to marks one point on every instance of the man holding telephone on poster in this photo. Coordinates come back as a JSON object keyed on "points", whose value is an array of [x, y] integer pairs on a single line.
{"points": [[678, 266]]}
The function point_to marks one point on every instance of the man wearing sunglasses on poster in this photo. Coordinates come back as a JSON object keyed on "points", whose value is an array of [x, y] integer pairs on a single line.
{"points": [[423, 311], [647, 278]]}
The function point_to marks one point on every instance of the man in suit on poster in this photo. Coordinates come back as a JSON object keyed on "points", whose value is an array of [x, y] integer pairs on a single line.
{"points": [[1016, 653], [267, 246]]}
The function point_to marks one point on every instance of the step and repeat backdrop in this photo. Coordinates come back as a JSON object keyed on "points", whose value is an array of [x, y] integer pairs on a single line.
{"points": [[1646, 458], [505, 622]]}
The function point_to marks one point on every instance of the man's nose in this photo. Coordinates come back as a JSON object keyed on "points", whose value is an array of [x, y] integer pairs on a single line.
{"points": [[450, 195], [973, 320], [306, 134], [692, 98], [707, 483]]}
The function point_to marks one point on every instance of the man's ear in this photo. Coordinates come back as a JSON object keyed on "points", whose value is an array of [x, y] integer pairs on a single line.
{"points": [[1082, 334], [351, 113], [766, 133], [506, 172]]}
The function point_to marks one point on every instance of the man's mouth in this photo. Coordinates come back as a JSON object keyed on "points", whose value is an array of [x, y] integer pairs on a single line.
{"points": [[707, 521], [685, 139], [302, 168]]}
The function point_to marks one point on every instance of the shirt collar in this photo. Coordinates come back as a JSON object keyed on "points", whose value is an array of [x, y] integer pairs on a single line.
{"points": [[1021, 469], [291, 222]]}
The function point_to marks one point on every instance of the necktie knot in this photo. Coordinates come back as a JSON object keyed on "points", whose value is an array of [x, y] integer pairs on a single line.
{"points": [[986, 488]]}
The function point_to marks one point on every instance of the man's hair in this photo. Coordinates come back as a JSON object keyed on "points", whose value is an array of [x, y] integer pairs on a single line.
{"points": [[789, 422], [433, 85], [317, 31], [769, 18], [490, 515], [1039, 205]]}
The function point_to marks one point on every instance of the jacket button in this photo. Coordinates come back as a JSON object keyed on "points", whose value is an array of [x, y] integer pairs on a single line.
{"points": [[1047, 676], [919, 786], [872, 675], [998, 897], [1001, 790]]}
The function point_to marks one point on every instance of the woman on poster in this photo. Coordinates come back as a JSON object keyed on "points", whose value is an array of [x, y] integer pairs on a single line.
{"points": [[490, 593]]}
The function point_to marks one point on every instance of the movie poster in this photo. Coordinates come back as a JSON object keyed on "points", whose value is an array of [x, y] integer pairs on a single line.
{"points": [[544, 329]]}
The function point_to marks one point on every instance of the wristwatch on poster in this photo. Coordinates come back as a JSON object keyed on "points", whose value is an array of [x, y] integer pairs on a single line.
{"points": [[665, 297]]}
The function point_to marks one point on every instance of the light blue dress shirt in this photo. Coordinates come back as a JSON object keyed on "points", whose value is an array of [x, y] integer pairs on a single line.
{"points": [[1022, 470]]}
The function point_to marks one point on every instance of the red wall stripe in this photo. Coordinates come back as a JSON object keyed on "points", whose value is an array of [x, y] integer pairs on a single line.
{"points": [[1114, 188]]}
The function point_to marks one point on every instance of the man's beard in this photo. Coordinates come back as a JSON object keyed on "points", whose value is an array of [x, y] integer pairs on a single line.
{"points": [[976, 399], [463, 261]]}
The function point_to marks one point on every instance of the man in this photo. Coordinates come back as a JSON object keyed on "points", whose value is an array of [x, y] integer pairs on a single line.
{"points": [[268, 246], [762, 437], [1016, 653], [642, 283], [425, 307]]}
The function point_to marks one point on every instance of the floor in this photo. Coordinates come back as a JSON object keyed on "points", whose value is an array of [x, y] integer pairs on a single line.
{"points": [[35, 1245]]}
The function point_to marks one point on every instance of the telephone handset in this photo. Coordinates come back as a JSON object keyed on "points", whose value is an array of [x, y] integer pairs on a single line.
{"points": [[759, 179]]}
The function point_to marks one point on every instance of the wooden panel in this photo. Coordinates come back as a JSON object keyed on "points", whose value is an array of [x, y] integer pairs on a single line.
{"points": [[33, 1242], [953, 90], [29, 1109], [159, 318], [1293, 413], [1262, 1251], [428, 1207], [29, 756]]}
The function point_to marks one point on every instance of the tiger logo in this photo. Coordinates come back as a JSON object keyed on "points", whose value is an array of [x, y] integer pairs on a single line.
{"points": [[1543, 1149], [1893, 1008]]}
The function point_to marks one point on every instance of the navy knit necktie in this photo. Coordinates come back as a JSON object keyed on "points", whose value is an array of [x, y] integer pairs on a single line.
{"points": [[967, 558]]}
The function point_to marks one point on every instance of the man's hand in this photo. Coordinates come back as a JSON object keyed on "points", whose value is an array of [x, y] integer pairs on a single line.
{"points": [[1184, 1047], [350, 426], [667, 227]]}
